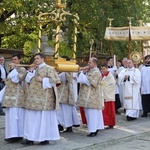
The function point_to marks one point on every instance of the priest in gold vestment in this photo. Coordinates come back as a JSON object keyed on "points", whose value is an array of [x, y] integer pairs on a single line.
{"points": [[67, 92], [91, 97], [14, 98], [41, 104]]}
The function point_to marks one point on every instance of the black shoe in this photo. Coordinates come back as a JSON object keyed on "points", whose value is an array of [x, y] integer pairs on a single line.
{"points": [[130, 118], [7, 140], [144, 115], [117, 112], [2, 113], [26, 142], [76, 125], [92, 134], [69, 129], [13, 140], [110, 127], [44, 143], [60, 127]]}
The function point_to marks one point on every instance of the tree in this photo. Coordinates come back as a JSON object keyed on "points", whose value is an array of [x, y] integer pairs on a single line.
{"points": [[93, 19], [21, 31]]}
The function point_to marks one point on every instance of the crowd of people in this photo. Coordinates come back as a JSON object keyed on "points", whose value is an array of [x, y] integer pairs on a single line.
{"points": [[40, 102]]}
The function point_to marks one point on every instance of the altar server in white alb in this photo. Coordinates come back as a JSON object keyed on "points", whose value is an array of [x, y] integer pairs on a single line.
{"points": [[91, 97], [14, 99], [123, 67], [108, 84], [131, 78], [67, 92], [112, 68], [145, 86], [40, 124]]}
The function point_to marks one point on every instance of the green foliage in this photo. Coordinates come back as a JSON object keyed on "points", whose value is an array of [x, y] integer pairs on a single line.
{"points": [[14, 41], [64, 49], [21, 31], [29, 46]]}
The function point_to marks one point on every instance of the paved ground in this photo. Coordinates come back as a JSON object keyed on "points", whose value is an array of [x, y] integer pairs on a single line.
{"points": [[133, 135]]}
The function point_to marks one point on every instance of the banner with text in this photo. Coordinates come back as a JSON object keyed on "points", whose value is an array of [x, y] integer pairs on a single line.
{"points": [[117, 33], [140, 33]]}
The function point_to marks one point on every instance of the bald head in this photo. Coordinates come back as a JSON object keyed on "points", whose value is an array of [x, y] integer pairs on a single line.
{"points": [[93, 62]]}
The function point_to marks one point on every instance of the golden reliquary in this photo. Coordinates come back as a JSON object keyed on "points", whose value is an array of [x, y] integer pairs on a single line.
{"points": [[61, 65]]}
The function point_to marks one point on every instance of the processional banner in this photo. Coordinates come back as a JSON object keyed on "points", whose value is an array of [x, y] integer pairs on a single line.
{"points": [[140, 33], [117, 33]]}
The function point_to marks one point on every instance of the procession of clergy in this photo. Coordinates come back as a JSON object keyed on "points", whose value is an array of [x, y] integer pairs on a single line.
{"points": [[40, 102]]}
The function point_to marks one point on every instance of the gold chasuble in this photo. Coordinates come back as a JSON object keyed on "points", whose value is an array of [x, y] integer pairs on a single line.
{"points": [[65, 90], [91, 96], [39, 98], [14, 94]]}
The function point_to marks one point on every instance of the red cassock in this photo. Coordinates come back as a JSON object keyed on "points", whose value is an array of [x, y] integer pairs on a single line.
{"points": [[83, 117], [109, 115]]}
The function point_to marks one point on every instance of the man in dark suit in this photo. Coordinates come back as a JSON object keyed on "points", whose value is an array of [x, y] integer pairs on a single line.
{"points": [[3, 75]]}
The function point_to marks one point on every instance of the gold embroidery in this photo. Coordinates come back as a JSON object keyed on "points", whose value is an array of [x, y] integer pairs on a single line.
{"points": [[90, 96]]}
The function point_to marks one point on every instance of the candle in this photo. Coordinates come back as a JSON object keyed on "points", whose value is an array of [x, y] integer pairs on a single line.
{"points": [[114, 60], [115, 67]]}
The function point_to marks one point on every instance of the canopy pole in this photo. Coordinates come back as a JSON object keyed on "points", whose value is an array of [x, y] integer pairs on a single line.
{"points": [[129, 43], [129, 49], [110, 24], [111, 49], [142, 48]]}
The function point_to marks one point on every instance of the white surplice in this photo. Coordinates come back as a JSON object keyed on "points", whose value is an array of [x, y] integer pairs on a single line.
{"points": [[14, 122], [121, 86], [67, 115], [145, 88], [113, 71], [75, 86], [145, 80], [94, 119], [131, 91], [40, 125], [82, 78], [2, 92]]}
